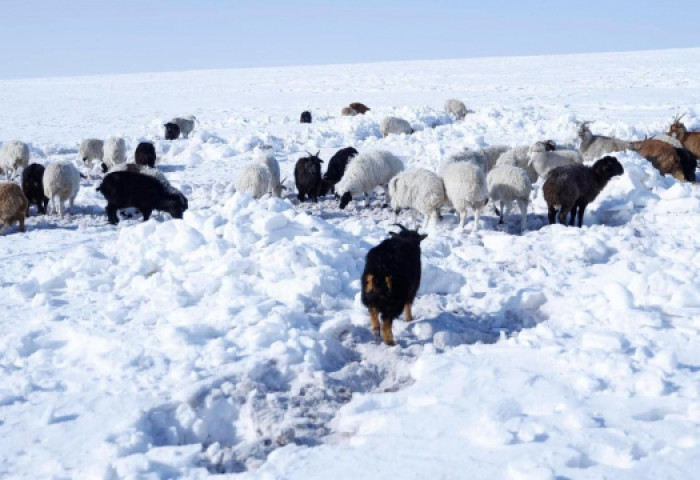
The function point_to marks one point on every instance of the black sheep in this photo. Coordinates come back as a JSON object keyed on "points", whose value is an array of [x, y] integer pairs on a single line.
{"points": [[307, 175], [145, 154], [336, 169], [305, 117], [391, 279], [572, 187], [172, 131], [33, 187], [144, 192]]}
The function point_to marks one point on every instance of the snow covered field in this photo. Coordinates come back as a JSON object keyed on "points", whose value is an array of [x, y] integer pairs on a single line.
{"points": [[233, 341]]}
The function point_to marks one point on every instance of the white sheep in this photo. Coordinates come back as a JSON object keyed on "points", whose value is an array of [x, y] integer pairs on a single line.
{"points": [[265, 156], [91, 149], [255, 179], [186, 124], [367, 171], [465, 186], [492, 154], [395, 125], [114, 152], [456, 108], [593, 147], [13, 156], [62, 180], [508, 184], [518, 157], [475, 156], [420, 190], [542, 160]]}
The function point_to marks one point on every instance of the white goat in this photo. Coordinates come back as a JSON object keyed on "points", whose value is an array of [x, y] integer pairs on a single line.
{"points": [[456, 108], [255, 179], [543, 160], [394, 125], [114, 152], [91, 149], [13, 156], [186, 124], [62, 180], [594, 147], [265, 156]]}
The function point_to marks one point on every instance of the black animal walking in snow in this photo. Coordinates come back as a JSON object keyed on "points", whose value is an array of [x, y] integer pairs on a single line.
{"points": [[305, 117], [307, 175]]}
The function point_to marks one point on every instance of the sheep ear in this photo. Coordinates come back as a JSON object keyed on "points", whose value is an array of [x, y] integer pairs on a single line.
{"points": [[423, 237]]}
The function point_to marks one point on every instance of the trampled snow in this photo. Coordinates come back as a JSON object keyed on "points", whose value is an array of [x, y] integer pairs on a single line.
{"points": [[234, 341]]}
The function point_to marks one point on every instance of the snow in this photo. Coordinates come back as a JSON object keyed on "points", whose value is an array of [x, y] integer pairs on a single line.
{"points": [[234, 341]]}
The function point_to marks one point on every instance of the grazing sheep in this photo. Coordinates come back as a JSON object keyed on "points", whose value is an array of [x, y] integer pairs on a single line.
{"points": [[33, 187], [394, 125], [91, 149], [366, 172], [13, 156], [172, 131], [265, 156], [348, 112], [542, 160], [255, 179], [360, 108], [595, 146], [391, 279], [307, 175], [465, 186], [13, 205], [666, 158], [62, 180], [185, 124], [145, 154], [143, 192], [572, 187], [420, 190], [508, 184], [690, 140], [305, 117], [466, 155], [114, 153], [336, 169], [456, 108]]}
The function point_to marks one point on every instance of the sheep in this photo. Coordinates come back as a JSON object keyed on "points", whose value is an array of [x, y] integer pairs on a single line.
{"points": [[366, 172], [33, 187], [62, 180], [305, 117], [114, 153], [571, 188], [360, 108], [13, 156], [394, 125], [542, 160], [507, 184], [493, 153], [142, 169], [172, 131], [91, 149], [420, 190], [13, 205], [520, 157], [307, 176], [265, 156], [129, 189], [456, 108], [666, 158], [254, 179], [348, 112], [690, 140], [465, 186], [145, 154], [390, 280], [336, 169], [185, 124], [595, 146], [469, 155]]}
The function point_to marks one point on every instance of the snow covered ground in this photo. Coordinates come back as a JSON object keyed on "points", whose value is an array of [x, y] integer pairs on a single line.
{"points": [[233, 341]]}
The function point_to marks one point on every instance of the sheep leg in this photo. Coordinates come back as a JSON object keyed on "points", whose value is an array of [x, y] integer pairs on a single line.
{"points": [[407, 313], [374, 319], [500, 214], [4, 226], [387, 198], [366, 200], [146, 212], [477, 212], [581, 209], [300, 196], [60, 207], [387, 334], [462, 214], [111, 214], [71, 201], [522, 205], [506, 209], [562, 214], [414, 217], [21, 223]]}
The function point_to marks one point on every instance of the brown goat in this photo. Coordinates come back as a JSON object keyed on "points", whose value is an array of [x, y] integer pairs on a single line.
{"points": [[13, 205], [690, 140], [360, 108], [663, 156]]}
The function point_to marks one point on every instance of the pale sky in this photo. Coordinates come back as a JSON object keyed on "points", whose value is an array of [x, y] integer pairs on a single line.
{"points": [[43, 38]]}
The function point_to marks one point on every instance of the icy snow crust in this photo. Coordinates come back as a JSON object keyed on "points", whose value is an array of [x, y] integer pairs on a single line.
{"points": [[234, 340]]}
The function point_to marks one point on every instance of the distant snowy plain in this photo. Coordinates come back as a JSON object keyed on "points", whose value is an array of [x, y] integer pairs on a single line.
{"points": [[233, 341]]}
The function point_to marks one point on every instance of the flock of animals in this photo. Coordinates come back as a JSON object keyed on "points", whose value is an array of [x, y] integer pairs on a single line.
{"points": [[466, 181]]}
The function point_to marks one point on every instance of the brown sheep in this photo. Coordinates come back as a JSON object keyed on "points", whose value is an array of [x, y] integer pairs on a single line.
{"points": [[664, 157], [690, 140], [13, 205], [348, 112], [360, 108]]}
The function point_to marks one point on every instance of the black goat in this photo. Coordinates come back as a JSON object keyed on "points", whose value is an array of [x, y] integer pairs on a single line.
{"points": [[172, 131], [145, 154], [336, 169], [307, 175], [144, 192], [305, 117], [33, 187], [391, 279]]}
